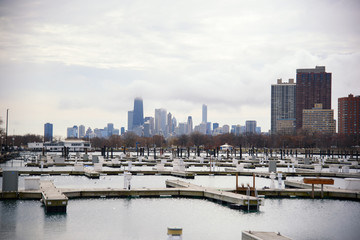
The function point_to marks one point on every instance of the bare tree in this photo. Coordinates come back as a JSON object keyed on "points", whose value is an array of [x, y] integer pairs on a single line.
{"points": [[129, 139], [1, 129]]}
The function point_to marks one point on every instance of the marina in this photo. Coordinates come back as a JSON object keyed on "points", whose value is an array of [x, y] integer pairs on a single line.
{"points": [[223, 182]]}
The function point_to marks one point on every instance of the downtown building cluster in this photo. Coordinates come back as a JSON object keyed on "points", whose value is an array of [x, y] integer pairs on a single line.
{"points": [[79, 132], [165, 124], [306, 105]]}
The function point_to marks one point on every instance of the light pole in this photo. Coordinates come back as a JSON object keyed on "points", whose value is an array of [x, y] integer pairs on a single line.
{"points": [[6, 133]]}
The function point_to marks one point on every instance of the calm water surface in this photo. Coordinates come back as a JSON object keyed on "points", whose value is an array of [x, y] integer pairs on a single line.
{"points": [[148, 218]]}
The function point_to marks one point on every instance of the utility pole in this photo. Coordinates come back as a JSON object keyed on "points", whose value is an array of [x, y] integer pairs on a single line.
{"points": [[7, 122]]}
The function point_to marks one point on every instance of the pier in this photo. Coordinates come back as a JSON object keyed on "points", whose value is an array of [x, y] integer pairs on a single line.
{"points": [[234, 200], [53, 199], [255, 235]]}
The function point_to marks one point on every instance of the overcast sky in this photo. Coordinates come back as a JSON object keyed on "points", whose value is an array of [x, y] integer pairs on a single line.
{"points": [[83, 62]]}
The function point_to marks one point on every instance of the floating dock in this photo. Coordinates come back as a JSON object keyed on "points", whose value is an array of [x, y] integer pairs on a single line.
{"points": [[90, 173], [53, 199], [255, 235], [234, 200]]}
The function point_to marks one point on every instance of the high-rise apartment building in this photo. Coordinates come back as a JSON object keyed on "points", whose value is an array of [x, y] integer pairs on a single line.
{"points": [[349, 115], [319, 120], [312, 86], [48, 132], [283, 98], [204, 113], [285, 126], [138, 113]]}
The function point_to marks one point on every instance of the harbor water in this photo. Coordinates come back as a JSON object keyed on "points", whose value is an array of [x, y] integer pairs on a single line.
{"points": [[148, 218]]}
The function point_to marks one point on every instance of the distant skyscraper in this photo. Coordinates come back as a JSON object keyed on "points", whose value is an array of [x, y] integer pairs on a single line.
{"points": [[189, 125], [208, 128], [238, 130], [73, 132], [312, 86], [163, 120], [283, 97], [169, 124], [89, 133], [250, 126], [182, 128], [349, 115], [81, 131], [138, 115], [160, 121], [48, 132], [147, 132], [110, 129], [122, 130], [157, 125], [233, 129], [152, 124], [130, 120], [204, 113], [215, 126], [318, 119], [225, 129]]}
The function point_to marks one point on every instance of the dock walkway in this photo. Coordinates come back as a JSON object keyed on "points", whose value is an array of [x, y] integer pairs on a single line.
{"points": [[255, 235], [235, 200], [53, 199]]}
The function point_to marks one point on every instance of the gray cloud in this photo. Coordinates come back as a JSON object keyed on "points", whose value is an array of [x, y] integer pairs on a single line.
{"points": [[85, 62]]}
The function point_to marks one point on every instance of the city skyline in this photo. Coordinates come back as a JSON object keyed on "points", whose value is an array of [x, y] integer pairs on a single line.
{"points": [[65, 64]]}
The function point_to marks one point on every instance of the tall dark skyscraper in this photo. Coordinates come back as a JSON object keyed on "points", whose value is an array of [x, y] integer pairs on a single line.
{"points": [[48, 132], [138, 116], [349, 115], [312, 86]]}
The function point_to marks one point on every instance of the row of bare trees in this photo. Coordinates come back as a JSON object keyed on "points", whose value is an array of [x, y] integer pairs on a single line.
{"points": [[248, 141], [302, 140]]}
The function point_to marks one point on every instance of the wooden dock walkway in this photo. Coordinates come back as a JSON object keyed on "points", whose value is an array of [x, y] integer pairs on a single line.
{"points": [[234, 200], [53, 199], [189, 174]]}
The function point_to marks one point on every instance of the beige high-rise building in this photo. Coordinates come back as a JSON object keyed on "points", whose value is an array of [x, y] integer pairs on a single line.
{"points": [[285, 126], [319, 119]]}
